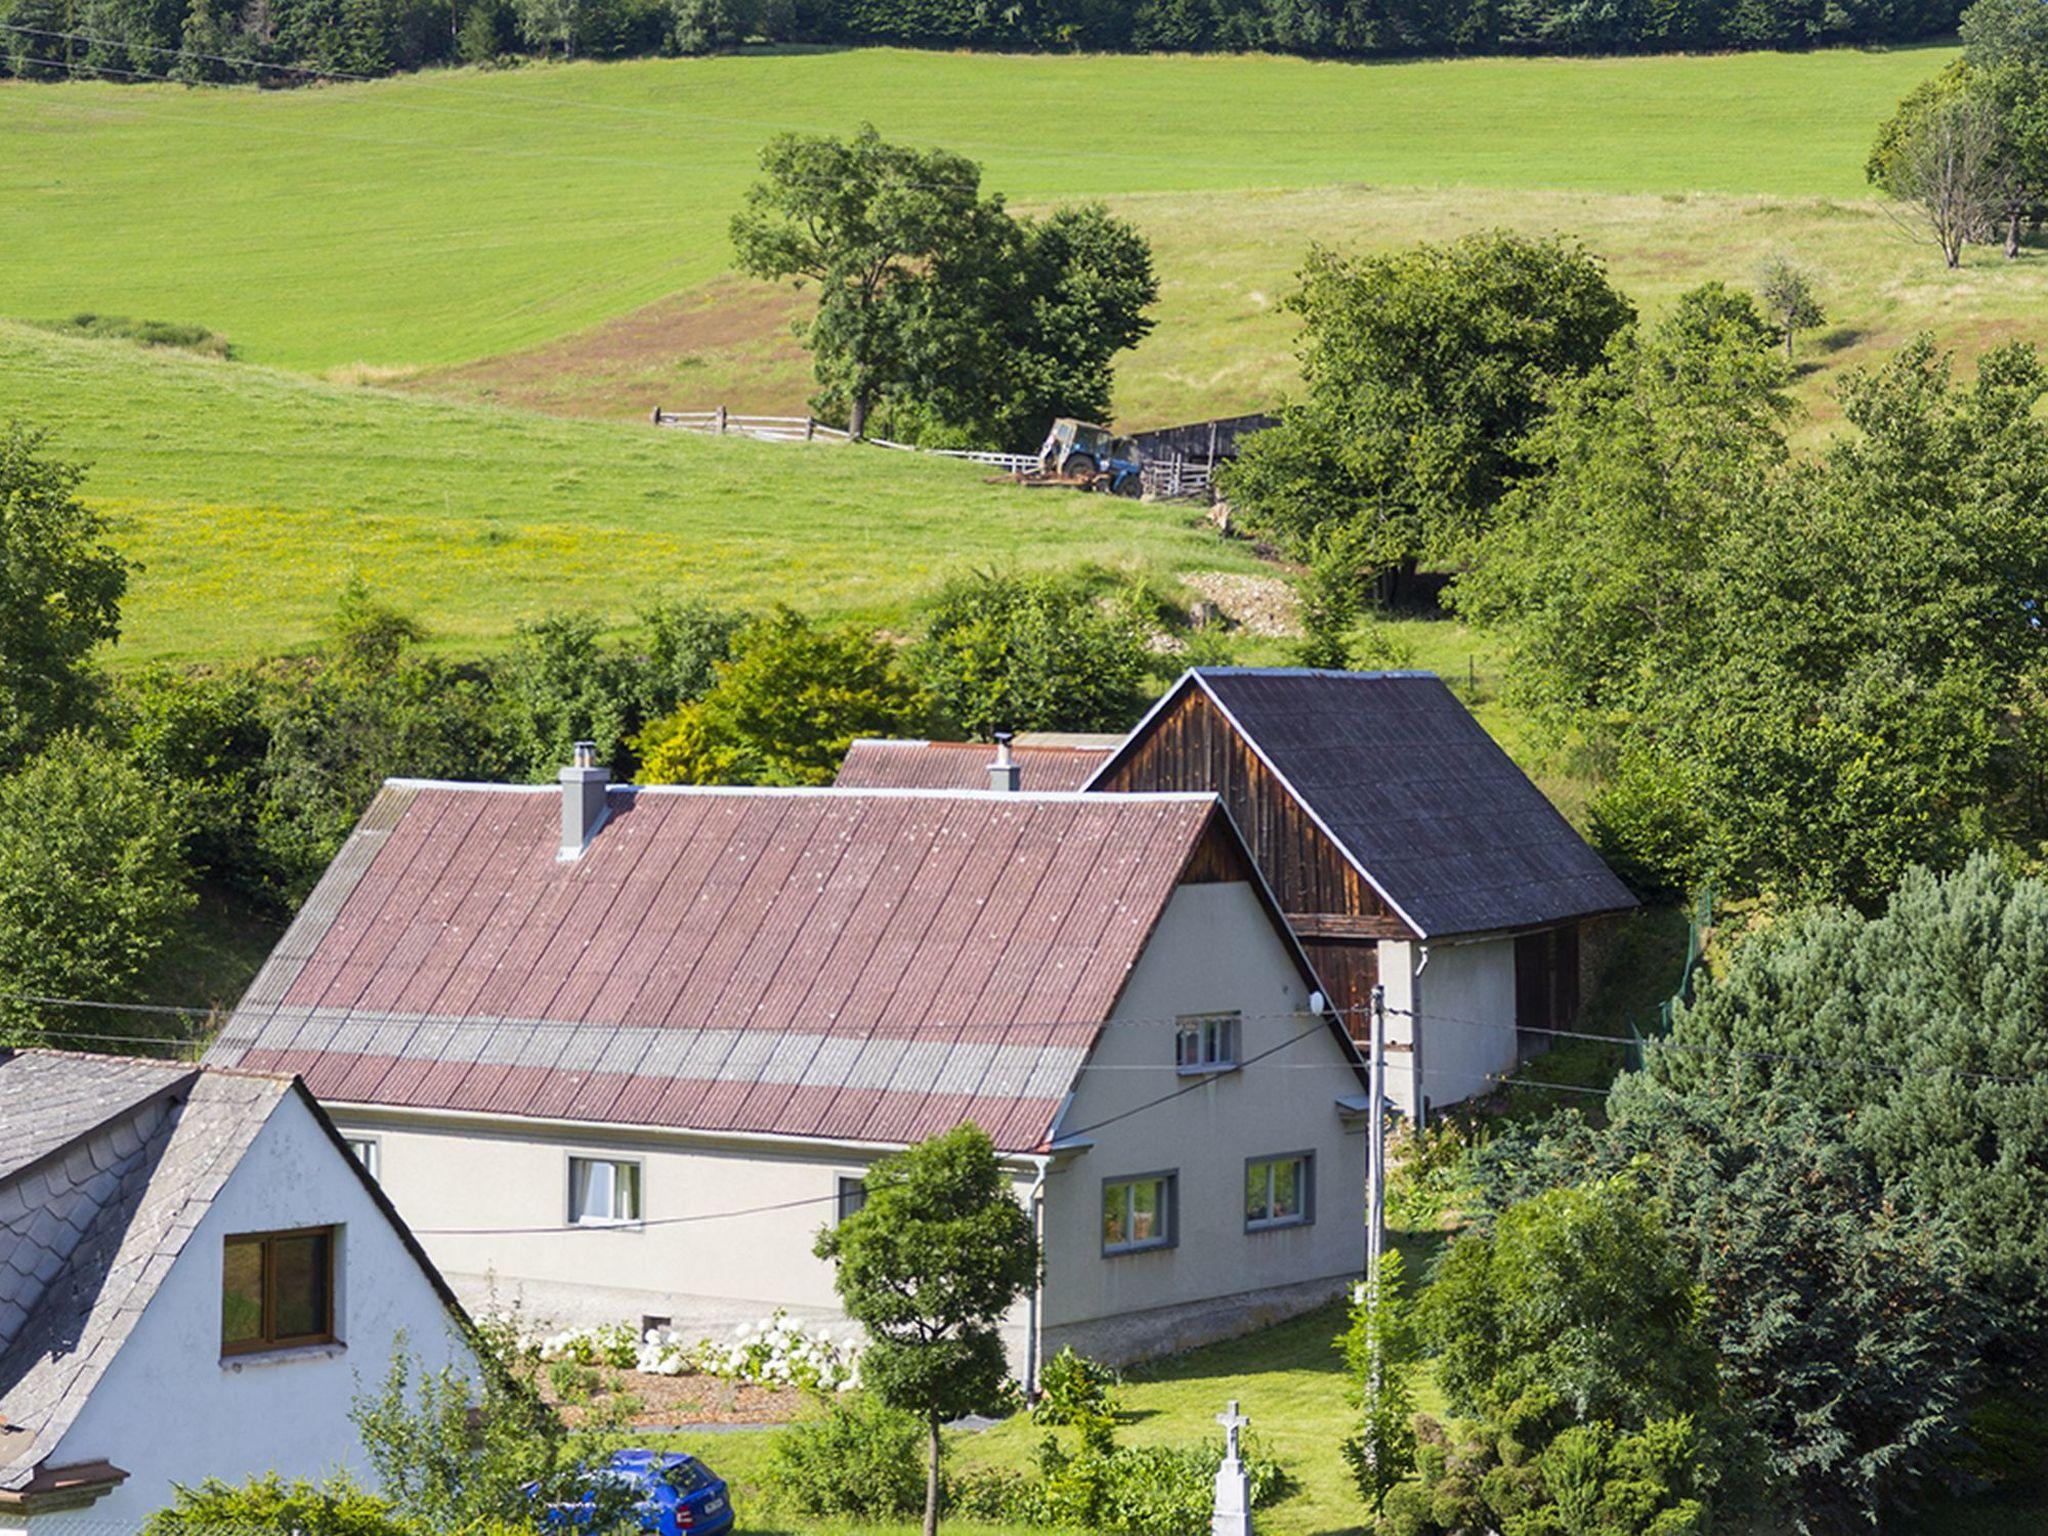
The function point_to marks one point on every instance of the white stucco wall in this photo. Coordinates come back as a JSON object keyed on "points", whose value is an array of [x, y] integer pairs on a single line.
{"points": [[172, 1409], [1217, 1278], [452, 1173], [1467, 1016], [1214, 951]]}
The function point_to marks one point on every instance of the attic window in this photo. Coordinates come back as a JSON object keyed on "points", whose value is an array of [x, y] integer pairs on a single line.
{"points": [[277, 1290], [1206, 1042]]}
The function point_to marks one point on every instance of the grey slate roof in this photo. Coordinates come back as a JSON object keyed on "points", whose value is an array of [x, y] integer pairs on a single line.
{"points": [[1421, 799], [91, 1225]]}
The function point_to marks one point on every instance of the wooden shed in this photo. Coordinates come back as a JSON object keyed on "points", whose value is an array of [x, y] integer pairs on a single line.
{"points": [[1403, 844]]}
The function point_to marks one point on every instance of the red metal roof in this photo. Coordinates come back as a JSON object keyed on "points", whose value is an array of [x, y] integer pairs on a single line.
{"points": [[861, 966], [904, 764]]}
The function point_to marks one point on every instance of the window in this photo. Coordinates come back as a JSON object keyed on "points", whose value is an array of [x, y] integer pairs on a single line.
{"points": [[277, 1290], [1206, 1043], [365, 1150], [853, 1194], [1279, 1191], [1138, 1213], [603, 1191]]}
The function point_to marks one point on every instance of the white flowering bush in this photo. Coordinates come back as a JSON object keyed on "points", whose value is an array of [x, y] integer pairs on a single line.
{"points": [[610, 1344], [775, 1352]]}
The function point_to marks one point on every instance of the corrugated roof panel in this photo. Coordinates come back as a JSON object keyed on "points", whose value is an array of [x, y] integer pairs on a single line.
{"points": [[807, 963], [964, 765], [1423, 800]]}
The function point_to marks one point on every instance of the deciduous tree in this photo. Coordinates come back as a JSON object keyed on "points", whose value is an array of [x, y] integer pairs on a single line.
{"points": [[61, 584], [1423, 370], [928, 1266]]}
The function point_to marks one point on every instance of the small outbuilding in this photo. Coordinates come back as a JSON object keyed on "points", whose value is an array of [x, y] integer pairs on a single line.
{"points": [[195, 1271]]}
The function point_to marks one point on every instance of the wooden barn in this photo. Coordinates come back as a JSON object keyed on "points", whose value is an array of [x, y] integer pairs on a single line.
{"points": [[1405, 847], [1403, 844]]}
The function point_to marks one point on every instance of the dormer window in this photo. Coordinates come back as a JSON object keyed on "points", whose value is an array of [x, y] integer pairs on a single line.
{"points": [[1206, 1042]]}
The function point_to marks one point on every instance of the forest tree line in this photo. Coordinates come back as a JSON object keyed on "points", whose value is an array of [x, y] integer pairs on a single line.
{"points": [[287, 42]]}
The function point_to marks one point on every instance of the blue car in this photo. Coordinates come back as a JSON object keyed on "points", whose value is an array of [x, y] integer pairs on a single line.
{"points": [[667, 1492]]}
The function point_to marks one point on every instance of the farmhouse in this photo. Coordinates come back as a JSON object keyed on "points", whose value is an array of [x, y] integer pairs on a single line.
{"points": [[194, 1271], [1403, 844], [623, 1052]]}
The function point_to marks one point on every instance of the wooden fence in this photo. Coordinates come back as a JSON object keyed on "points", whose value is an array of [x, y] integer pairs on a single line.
{"points": [[1174, 475], [768, 429]]}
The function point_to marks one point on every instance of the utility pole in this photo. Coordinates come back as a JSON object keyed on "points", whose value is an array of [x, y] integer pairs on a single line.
{"points": [[1376, 1178]]}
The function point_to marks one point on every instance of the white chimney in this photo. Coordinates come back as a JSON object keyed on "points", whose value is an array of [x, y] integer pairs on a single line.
{"points": [[583, 801], [1004, 773]]}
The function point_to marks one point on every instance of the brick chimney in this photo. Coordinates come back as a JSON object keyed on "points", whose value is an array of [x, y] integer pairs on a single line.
{"points": [[583, 801], [1004, 773]]}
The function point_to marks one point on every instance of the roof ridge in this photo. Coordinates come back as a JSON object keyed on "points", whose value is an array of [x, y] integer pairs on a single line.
{"points": [[834, 792]]}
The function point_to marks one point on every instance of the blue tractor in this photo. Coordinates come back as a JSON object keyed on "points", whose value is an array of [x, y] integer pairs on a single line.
{"points": [[1091, 458]]}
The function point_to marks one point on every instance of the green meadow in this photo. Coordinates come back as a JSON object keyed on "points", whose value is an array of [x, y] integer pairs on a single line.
{"points": [[452, 298], [249, 495], [456, 215]]}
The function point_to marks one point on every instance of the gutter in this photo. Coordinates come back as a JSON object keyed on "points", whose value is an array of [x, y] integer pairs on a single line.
{"points": [[1034, 1333]]}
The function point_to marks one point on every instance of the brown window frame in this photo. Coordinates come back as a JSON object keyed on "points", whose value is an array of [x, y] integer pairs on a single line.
{"points": [[268, 1342]]}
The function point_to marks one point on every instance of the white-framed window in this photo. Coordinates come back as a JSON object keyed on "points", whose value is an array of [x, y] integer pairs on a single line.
{"points": [[603, 1191], [1206, 1042], [1140, 1212], [851, 1196], [1279, 1191], [364, 1150]]}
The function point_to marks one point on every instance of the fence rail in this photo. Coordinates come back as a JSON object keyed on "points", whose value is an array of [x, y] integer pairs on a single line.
{"points": [[767, 429], [1172, 476]]}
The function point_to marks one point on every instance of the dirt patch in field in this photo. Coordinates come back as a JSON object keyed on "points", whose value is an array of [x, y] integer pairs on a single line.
{"points": [[728, 342]]}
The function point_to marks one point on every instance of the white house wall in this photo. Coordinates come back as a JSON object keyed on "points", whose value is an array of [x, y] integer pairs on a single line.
{"points": [[1467, 1008], [171, 1408], [1214, 951], [461, 1184]]}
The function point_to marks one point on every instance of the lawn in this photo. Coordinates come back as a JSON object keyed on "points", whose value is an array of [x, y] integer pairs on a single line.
{"points": [[248, 495], [1289, 1379]]}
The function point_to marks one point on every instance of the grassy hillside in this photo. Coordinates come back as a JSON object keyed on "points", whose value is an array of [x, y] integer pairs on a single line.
{"points": [[249, 495], [454, 216]]}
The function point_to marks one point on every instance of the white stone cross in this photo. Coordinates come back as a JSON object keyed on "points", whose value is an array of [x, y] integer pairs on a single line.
{"points": [[1233, 1515], [1232, 1421]]}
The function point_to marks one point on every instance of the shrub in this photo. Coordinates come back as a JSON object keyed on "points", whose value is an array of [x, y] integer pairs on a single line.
{"points": [[92, 879], [1144, 1490], [858, 1458], [269, 1504], [1028, 653], [1080, 1393], [784, 709]]}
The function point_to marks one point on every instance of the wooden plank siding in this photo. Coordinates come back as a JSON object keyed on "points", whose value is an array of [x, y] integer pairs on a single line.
{"points": [[1336, 914], [1192, 747]]}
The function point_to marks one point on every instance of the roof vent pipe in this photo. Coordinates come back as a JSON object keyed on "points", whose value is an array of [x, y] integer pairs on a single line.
{"points": [[583, 800], [1004, 773]]}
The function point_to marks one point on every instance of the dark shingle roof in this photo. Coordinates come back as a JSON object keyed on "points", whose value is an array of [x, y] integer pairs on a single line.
{"points": [[87, 1238], [1421, 799], [854, 965]]}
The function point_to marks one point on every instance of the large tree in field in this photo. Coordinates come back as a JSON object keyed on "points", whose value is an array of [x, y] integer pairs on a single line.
{"points": [[869, 222], [1423, 371], [1944, 155], [61, 585], [2006, 49], [929, 1265]]}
